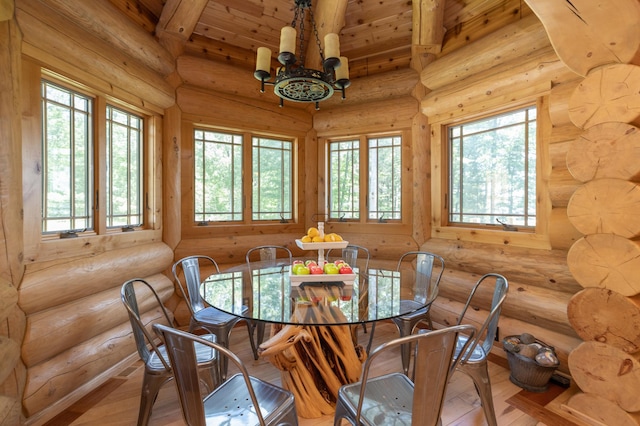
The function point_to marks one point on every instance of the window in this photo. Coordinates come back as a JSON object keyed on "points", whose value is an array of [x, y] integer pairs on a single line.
{"points": [[272, 179], [67, 148], [219, 186], [218, 176], [344, 179], [124, 171], [93, 160], [383, 182], [492, 170], [385, 188]]}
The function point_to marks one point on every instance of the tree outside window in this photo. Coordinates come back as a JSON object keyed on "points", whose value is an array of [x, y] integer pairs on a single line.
{"points": [[382, 183], [67, 151], [218, 176], [93, 161], [492, 170], [124, 168], [219, 184]]}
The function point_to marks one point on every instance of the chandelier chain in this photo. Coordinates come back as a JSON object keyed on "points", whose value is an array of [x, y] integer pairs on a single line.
{"points": [[315, 33], [302, 44]]}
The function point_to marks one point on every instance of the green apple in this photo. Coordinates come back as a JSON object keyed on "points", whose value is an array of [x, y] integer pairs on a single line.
{"points": [[303, 270], [331, 268]]}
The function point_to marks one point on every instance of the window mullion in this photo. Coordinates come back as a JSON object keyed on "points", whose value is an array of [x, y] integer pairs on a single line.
{"points": [[100, 160]]}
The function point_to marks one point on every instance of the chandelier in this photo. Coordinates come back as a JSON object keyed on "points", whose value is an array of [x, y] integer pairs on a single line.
{"points": [[295, 82]]}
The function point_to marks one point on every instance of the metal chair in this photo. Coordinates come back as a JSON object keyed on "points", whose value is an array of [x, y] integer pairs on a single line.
{"points": [[267, 255], [473, 360], [209, 318], [352, 253], [157, 367], [428, 270], [395, 399], [240, 400]]}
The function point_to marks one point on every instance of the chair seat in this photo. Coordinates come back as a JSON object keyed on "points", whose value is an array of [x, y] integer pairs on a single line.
{"points": [[478, 353], [205, 354], [406, 305], [212, 315], [388, 399], [232, 401]]}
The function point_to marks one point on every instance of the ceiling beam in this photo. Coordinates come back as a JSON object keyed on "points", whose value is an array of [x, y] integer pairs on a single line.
{"points": [[177, 21], [329, 17], [103, 20], [428, 26]]}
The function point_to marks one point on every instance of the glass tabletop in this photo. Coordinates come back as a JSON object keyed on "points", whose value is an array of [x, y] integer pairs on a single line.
{"points": [[270, 294]]}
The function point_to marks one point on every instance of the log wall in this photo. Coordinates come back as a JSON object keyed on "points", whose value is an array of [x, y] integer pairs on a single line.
{"points": [[12, 319], [67, 286], [541, 283], [66, 292]]}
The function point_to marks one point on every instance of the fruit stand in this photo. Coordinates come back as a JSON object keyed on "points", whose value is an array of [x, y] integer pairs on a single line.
{"points": [[320, 244]]}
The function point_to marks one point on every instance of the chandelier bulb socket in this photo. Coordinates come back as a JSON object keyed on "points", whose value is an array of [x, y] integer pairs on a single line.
{"points": [[330, 64], [286, 58]]}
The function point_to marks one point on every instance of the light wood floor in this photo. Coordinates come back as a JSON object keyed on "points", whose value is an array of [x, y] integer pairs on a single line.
{"points": [[116, 402]]}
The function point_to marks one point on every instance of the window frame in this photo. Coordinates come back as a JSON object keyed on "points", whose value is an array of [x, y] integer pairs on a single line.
{"points": [[246, 226], [449, 201], [363, 224], [151, 145], [534, 237]]}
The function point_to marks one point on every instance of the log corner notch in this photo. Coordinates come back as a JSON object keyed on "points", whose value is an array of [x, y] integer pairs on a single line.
{"points": [[587, 34]]}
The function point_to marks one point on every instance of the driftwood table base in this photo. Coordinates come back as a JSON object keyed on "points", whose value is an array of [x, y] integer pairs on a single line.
{"points": [[314, 360]]}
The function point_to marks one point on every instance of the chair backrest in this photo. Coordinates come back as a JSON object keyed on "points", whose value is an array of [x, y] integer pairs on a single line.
{"points": [[189, 267], [269, 255], [352, 253], [182, 354], [429, 268], [490, 325], [433, 366], [145, 342]]}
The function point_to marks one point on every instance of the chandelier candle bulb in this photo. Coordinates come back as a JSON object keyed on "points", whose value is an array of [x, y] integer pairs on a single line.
{"points": [[331, 46], [342, 71], [288, 40], [263, 60]]}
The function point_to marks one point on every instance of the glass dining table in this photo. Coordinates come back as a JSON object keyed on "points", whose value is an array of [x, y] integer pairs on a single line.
{"points": [[313, 319], [380, 293]]}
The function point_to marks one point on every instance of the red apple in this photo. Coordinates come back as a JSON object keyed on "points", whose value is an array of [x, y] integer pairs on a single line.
{"points": [[315, 269], [346, 269], [296, 262], [345, 298], [339, 261]]}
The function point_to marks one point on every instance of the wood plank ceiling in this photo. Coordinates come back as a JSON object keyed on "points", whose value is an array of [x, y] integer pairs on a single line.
{"points": [[376, 35]]}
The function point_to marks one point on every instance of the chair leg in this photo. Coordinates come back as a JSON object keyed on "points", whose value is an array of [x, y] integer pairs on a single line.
{"points": [[151, 385], [251, 326], [479, 373], [373, 329]]}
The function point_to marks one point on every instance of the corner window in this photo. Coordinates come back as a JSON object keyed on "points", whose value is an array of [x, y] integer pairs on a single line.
{"points": [[124, 168], [218, 176], [272, 179], [93, 161], [67, 147], [492, 171], [344, 179], [382, 182], [219, 183]]}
